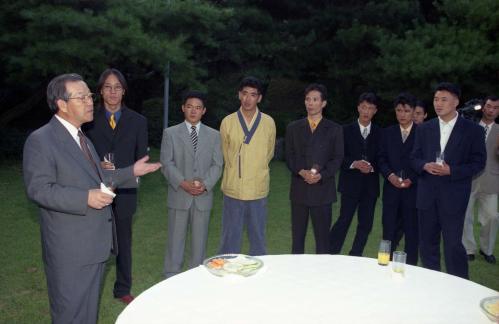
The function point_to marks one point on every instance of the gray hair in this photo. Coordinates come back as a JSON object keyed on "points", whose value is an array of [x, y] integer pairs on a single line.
{"points": [[57, 89]]}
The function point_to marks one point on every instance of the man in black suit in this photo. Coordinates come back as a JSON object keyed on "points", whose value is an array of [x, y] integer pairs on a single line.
{"points": [[119, 130], [448, 152], [314, 151], [399, 190], [359, 179]]}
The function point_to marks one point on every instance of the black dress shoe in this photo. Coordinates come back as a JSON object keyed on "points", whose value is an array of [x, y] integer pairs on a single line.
{"points": [[489, 258], [471, 257]]}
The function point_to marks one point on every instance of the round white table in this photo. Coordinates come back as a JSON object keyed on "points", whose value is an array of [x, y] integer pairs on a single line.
{"points": [[311, 289]]}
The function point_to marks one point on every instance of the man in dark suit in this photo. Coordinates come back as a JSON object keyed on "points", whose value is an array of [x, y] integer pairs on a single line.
{"points": [[63, 177], [314, 151], [444, 181], [359, 179], [399, 190], [119, 130], [420, 113]]}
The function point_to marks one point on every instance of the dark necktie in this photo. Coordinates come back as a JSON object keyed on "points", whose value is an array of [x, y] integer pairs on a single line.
{"points": [[86, 151], [194, 137]]}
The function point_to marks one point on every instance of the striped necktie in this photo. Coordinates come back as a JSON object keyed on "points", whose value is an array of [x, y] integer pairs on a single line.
{"points": [[194, 137], [86, 151], [112, 122], [487, 128]]}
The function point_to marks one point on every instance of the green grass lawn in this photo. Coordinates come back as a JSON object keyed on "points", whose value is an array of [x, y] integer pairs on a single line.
{"points": [[23, 296]]}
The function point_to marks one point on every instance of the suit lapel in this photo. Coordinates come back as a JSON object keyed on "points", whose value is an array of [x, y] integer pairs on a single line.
{"points": [[455, 137], [203, 140], [103, 124], [434, 137], [184, 134], [122, 123], [492, 138], [69, 145]]}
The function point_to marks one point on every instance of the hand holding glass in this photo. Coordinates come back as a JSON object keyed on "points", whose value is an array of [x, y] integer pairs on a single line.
{"points": [[401, 175], [109, 161], [439, 158], [315, 169]]}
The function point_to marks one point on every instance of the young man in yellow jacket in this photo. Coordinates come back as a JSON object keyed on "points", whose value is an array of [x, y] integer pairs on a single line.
{"points": [[248, 139]]}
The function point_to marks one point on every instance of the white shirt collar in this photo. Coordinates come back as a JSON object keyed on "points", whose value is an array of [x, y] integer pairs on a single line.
{"points": [[450, 123], [188, 125], [408, 129], [73, 131], [362, 127], [482, 123]]}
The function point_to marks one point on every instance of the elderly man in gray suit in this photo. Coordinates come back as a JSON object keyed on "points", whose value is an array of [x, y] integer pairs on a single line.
{"points": [[485, 189], [192, 164], [63, 177]]}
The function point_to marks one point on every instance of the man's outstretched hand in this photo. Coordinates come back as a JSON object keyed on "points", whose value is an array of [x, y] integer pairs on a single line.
{"points": [[141, 167]]}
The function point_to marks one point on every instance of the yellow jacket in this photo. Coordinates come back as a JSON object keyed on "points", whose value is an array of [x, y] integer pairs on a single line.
{"points": [[246, 171]]}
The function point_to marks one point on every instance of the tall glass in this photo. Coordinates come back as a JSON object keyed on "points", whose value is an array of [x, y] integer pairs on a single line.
{"points": [[440, 157], [384, 252], [398, 262]]}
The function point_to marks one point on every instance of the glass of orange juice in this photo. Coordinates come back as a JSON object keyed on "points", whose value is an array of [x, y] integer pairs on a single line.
{"points": [[384, 252]]}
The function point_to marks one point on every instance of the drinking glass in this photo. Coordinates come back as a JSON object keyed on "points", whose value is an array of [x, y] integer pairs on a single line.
{"points": [[398, 262], [402, 176], [439, 157], [384, 252], [197, 182], [109, 157], [315, 169]]}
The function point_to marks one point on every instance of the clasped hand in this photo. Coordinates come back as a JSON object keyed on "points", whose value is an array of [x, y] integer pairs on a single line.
{"points": [[398, 182], [437, 168], [309, 176], [363, 166], [194, 188]]}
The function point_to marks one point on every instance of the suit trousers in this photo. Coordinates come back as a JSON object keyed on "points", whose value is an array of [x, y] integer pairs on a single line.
{"points": [[237, 214], [124, 207], [74, 292], [489, 221], [398, 215], [365, 214], [432, 222], [178, 221], [321, 222]]}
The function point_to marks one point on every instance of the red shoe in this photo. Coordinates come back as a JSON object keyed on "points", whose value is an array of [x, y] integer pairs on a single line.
{"points": [[127, 299]]}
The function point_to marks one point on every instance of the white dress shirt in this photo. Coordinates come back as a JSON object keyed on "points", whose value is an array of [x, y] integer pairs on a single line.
{"points": [[73, 131], [445, 131], [188, 125]]}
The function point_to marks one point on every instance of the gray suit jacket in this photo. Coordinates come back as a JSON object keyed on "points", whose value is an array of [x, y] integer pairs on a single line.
{"points": [[488, 179], [57, 176], [180, 163]]}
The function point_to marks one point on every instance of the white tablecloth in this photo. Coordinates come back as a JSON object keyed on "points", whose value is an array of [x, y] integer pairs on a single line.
{"points": [[311, 289]]}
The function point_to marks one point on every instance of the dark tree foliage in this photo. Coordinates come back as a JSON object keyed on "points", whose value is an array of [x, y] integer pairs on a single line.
{"points": [[386, 46]]}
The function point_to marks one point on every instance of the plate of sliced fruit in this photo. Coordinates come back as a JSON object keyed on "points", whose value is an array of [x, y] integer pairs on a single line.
{"points": [[490, 306], [233, 264]]}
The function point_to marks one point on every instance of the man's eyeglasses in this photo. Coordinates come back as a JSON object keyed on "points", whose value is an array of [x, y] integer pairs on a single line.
{"points": [[108, 88], [83, 98]]}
